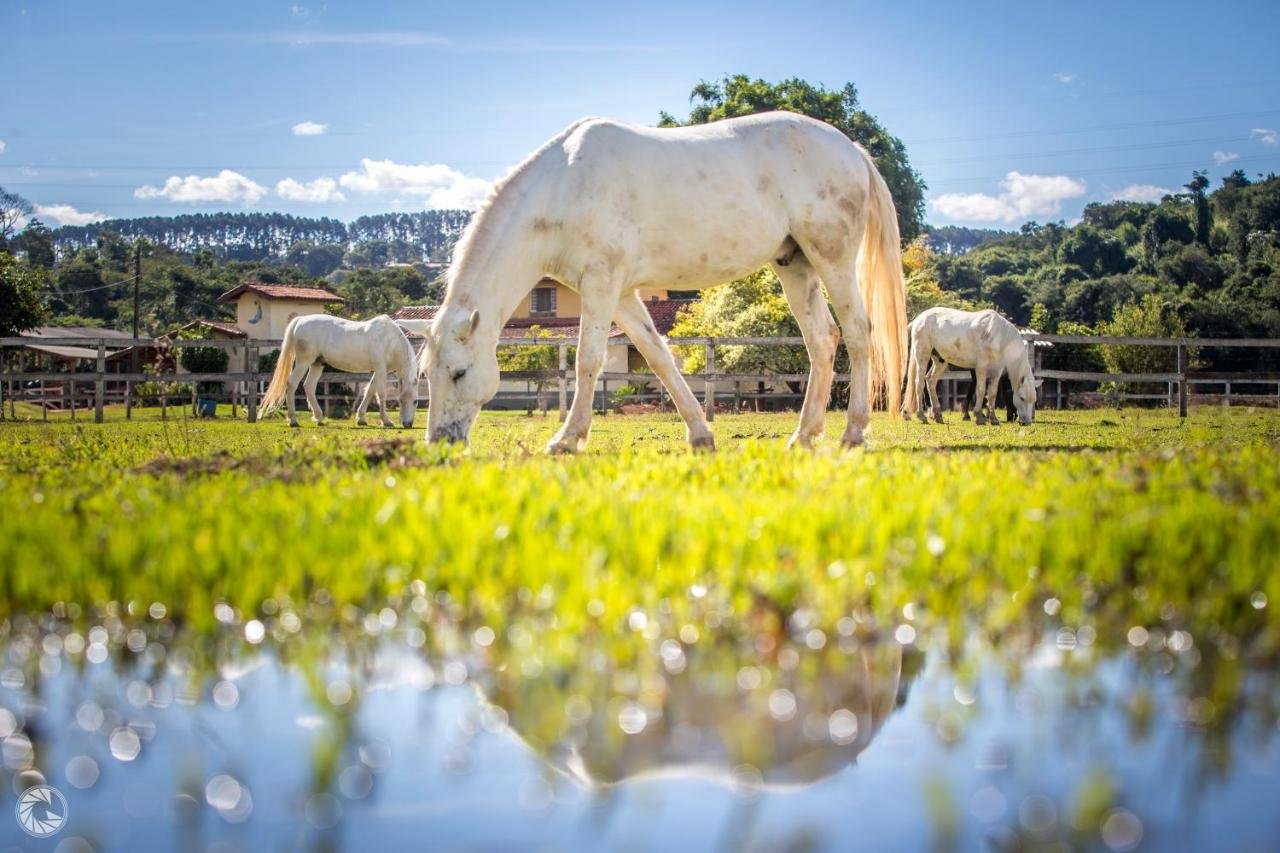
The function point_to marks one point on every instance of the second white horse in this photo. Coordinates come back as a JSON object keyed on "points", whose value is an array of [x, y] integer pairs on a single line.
{"points": [[981, 340], [315, 340]]}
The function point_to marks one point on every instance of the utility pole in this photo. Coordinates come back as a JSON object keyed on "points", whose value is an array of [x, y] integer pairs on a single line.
{"points": [[133, 368]]}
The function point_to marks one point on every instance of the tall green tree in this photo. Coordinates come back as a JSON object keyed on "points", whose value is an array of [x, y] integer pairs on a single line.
{"points": [[22, 303], [739, 95], [1204, 221]]}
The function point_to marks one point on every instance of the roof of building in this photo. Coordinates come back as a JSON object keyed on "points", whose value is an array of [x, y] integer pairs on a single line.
{"points": [[229, 329], [282, 291], [416, 312], [53, 333]]}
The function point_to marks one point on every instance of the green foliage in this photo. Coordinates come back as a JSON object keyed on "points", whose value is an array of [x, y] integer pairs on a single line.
{"points": [[204, 360], [739, 95], [1150, 317], [750, 307], [22, 304]]}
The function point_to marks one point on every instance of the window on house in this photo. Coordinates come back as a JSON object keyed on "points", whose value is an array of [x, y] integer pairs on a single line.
{"points": [[543, 301]]}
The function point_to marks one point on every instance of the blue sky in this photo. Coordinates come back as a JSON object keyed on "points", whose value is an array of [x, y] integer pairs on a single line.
{"points": [[1010, 111]]}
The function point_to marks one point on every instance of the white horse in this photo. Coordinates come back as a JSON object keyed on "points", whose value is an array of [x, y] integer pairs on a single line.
{"points": [[315, 340], [981, 340], [607, 208]]}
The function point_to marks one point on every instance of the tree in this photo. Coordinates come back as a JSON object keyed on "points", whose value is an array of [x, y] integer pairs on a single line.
{"points": [[13, 209], [36, 244], [749, 307], [22, 304], [738, 95], [1150, 317], [1195, 188]]}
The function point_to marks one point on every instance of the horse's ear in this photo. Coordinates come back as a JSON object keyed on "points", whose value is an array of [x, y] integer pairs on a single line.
{"points": [[468, 326]]}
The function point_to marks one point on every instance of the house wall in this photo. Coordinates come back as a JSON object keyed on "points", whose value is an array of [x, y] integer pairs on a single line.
{"points": [[569, 303], [266, 319]]}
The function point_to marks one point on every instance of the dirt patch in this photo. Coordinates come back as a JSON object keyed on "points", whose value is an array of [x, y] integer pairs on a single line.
{"points": [[297, 463]]}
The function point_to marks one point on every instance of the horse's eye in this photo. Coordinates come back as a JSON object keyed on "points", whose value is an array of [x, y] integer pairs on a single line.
{"points": [[457, 375]]}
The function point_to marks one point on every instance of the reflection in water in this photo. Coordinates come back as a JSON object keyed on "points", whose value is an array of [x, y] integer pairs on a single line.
{"points": [[314, 728], [770, 726]]}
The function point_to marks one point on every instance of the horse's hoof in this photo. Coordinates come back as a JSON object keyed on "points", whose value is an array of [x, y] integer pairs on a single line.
{"points": [[800, 440], [293, 424], [560, 448], [937, 419], [703, 443], [923, 418], [361, 423]]}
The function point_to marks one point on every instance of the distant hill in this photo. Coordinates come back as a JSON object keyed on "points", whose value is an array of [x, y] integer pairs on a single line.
{"points": [[956, 239], [426, 235]]}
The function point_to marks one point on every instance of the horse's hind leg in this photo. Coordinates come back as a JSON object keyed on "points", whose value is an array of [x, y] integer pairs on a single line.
{"points": [[296, 376], [842, 286], [821, 337], [313, 379], [634, 320], [920, 366]]}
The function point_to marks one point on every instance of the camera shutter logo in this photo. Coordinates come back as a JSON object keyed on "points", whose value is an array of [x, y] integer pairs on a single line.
{"points": [[41, 811]]}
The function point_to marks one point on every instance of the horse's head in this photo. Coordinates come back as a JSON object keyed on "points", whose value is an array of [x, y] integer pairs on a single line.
{"points": [[1024, 388], [408, 402], [462, 372]]}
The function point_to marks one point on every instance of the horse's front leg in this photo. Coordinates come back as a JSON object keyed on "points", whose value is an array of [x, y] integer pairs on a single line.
{"points": [[593, 339], [380, 383], [296, 376], [937, 367], [993, 388], [821, 337], [634, 320], [365, 399]]}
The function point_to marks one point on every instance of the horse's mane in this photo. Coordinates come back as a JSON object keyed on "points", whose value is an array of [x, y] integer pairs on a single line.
{"points": [[504, 195]]}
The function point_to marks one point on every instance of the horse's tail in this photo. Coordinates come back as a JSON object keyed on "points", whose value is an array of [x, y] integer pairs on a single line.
{"points": [[279, 386], [884, 293], [911, 400]]}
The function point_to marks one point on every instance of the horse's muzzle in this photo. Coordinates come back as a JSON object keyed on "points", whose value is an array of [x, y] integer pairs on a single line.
{"points": [[454, 432]]}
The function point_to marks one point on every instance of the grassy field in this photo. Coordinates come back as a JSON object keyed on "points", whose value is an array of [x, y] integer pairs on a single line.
{"points": [[967, 527]]}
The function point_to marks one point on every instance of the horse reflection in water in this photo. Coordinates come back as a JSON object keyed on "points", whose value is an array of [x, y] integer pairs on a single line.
{"points": [[792, 728]]}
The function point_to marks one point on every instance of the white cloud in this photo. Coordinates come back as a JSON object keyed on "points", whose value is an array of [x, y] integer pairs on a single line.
{"points": [[317, 192], [309, 128], [439, 185], [1142, 192], [225, 186], [1065, 77], [2, 146], [1264, 135], [65, 214], [1021, 197], [1224, 157]]}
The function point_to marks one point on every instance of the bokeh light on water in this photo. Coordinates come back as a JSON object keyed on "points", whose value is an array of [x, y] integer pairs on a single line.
{"points": [[698, 725]]}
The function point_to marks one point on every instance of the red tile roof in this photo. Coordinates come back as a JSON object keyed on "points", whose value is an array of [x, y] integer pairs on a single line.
{"points": [[416, 312], [282, 291]]}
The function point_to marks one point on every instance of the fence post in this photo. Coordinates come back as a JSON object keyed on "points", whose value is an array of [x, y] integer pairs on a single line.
{"points": [[251, 385], [562, 363], [709, 394], [1226, 398], [1182, 381], [100, 384]]}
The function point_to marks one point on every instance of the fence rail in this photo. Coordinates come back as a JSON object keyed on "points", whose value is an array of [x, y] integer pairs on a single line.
{"points": [[247, 382]]}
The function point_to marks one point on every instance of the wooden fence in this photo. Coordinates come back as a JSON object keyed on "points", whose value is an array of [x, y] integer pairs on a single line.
{"points": [[99, 386]]}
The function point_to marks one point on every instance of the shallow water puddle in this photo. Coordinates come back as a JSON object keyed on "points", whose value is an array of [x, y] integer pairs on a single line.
{"points": [[879, 745]]}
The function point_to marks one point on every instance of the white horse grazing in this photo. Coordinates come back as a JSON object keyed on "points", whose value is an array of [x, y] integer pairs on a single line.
{"points": [[981, 340], [606, 208], [315, 340]]}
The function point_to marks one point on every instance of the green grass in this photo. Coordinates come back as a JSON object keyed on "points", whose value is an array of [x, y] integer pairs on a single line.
{"points": [[973, 526]]}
